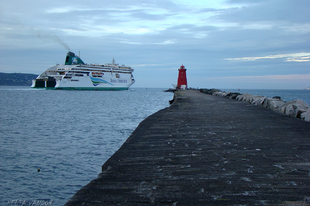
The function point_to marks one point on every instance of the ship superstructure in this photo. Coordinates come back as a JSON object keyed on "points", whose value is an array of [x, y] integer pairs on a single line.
{"points": [[75, 74]]}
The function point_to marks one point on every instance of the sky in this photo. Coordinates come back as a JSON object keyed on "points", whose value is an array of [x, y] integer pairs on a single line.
{"points": [[246, 44]]}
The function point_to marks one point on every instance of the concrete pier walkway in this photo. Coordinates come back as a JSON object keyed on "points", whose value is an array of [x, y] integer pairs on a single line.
{"points": [[207, 150]]}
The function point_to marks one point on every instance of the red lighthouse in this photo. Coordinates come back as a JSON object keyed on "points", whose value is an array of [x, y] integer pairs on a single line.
{"points": [[182, 81]]}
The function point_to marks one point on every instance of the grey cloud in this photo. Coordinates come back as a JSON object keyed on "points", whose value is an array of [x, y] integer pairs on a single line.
{"points": [[282, 11], [201, 47], [141, 15], [211, 10], [246, 1]]}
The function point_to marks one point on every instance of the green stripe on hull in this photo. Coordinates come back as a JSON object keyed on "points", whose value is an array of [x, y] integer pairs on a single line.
{"points": [[92, 88]]}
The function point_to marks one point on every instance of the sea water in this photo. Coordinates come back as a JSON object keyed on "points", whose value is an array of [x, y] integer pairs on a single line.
{"points": [[54, 142]]}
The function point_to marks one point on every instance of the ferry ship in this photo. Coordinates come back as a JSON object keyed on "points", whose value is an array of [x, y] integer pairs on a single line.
{"points": [[77, 75]]}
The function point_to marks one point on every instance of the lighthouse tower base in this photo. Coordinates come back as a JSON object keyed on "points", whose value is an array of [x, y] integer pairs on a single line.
{"points": [[182, 80]]}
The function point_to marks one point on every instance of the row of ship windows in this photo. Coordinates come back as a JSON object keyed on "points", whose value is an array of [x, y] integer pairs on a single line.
{"points": [[113, 81], [94, 73], [69, 75]]}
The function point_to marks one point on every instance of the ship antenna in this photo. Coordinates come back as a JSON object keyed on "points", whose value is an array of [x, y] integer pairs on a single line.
{"points": [[113, 61]]}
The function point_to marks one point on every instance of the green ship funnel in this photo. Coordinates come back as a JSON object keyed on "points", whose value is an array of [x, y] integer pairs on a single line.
{"points": [[71, 59]]}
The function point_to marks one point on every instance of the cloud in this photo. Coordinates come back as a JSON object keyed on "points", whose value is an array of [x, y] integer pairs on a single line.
{"points": [[295, 57], [269, 77], [211, 38], [279, 11], [289, 81]]}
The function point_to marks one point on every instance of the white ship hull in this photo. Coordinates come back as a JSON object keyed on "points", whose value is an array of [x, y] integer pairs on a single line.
{"points": [[88, 82], [85, 77]]}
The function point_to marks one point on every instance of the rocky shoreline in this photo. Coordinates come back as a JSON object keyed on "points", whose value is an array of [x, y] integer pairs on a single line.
{"points": [[297, 108]]}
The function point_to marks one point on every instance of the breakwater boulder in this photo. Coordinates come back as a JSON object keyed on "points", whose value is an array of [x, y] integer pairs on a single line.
{"points": [[209, 91], [306, 115], [296, 108], [230, 95], [273, 103]]}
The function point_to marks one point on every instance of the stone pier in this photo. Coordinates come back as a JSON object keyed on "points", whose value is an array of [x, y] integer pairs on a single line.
{"points": [[207, 150]]}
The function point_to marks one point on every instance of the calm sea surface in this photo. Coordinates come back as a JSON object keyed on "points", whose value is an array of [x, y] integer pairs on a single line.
{"points": [[70, 134], [67, 134]]}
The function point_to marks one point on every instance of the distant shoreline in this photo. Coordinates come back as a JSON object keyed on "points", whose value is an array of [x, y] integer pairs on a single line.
{"points": [[16, 79]]}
